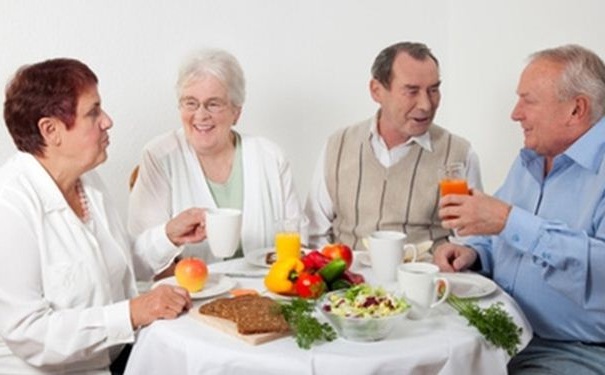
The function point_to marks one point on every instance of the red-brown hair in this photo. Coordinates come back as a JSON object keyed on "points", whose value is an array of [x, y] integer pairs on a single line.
{"points": [[47, 89]]}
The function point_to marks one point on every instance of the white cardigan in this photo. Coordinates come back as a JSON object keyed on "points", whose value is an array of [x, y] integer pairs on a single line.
{"points": [[65, 285], [171, 180]]}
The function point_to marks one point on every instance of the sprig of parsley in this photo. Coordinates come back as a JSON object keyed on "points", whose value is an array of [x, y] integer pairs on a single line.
{"points": [[494, 323], [306, 328]]}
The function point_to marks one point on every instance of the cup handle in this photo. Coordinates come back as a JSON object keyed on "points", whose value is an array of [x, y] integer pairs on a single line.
{"points": [[414, 251], [439, 282]]}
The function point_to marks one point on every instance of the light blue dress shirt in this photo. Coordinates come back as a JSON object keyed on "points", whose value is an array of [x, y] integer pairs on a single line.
{"points": [[551, 254]]}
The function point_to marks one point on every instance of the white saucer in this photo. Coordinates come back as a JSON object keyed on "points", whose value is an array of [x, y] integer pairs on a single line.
{"points": [[470, 285], [215, 285]]}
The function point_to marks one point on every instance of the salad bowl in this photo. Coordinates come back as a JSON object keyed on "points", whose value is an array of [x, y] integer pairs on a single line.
{"points": [[363, 313]]}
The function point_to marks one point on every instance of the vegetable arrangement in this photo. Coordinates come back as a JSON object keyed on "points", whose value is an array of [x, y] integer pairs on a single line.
{"points": [[494, 323], [314, 274]]}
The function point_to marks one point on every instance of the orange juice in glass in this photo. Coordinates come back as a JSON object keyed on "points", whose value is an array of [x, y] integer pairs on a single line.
{"points": [[287, 239], [452, 179]]}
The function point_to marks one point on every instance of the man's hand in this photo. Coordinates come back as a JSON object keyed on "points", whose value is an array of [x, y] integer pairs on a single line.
{"points": [[187, 227], [475, 214], [453, 258], [162, 302]]}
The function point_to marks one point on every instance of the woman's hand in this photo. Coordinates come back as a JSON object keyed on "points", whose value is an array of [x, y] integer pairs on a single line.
{"points": [[162, 302], [187, 227], [475, 214], [453, 258]]}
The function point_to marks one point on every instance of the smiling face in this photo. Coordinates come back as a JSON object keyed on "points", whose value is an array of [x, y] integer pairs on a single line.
{"points": [[408, 107], [85, 143], [209, 132], [544, 117]]}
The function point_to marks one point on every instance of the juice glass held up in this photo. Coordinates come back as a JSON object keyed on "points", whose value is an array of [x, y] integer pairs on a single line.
{"points": [[452, 179]]}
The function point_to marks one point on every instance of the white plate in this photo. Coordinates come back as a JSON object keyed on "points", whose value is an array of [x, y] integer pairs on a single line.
{"points": [[259, 257], [470, 285], [215, 285]]}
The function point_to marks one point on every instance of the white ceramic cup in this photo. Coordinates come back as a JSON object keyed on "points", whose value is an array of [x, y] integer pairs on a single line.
{"points": [[387, 250], [420, 283], [223, 230]]}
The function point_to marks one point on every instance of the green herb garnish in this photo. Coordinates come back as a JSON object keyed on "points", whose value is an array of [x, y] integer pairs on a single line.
{"points": [[306, 328], [494, 323]]}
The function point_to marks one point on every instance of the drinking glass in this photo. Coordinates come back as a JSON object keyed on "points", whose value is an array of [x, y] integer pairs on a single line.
{"points": [[287, 238], [452, 179]]}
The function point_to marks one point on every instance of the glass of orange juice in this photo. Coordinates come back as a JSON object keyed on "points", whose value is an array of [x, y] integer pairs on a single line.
{"points": [[452, 179], [287, 238]]}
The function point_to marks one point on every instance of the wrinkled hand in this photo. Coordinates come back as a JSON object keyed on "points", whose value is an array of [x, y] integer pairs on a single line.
{"points": [[162, 302], [187, 227], [475, 214], [453, 258]]}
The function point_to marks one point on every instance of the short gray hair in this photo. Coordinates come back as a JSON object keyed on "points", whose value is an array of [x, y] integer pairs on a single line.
{"points": [[220, 64], [382, 69], [584, 74]]}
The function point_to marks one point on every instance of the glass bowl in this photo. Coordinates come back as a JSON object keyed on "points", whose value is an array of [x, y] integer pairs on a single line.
{"points": [[360, 328]]}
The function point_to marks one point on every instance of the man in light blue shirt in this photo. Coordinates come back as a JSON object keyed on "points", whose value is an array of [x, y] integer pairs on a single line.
{"points": [[542, 237]]}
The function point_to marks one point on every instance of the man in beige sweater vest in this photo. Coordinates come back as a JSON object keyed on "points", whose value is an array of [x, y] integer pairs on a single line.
{"points": [[382, 172]]}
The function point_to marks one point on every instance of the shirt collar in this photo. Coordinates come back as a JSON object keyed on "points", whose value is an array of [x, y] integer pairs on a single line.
{"points": [[586, 151], [423, 140]]}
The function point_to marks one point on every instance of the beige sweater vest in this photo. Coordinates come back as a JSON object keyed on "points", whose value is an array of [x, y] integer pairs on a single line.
{"points": [[368, 197]]}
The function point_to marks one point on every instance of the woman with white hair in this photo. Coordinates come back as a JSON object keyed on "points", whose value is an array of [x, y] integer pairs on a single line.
{"points": [[206, 163]]}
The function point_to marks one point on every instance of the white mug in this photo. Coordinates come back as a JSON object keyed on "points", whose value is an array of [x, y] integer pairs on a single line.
{"points": [[387, 251], [223, 230], [421, 284]]}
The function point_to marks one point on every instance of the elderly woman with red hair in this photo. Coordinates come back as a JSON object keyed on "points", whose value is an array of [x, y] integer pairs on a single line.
{"points": [[68, 297]]}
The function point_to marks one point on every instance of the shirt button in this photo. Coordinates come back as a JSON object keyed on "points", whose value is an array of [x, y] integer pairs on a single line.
{"points": [[516, 237]]}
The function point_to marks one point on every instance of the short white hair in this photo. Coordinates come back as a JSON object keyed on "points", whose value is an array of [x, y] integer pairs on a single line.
{"points": [[220, 64]]}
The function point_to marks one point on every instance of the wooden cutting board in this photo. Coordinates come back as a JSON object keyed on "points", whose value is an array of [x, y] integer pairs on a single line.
{"points": [[230, 328]]}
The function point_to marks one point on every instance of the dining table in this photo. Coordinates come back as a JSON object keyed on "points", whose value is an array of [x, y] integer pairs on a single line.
{"points": [[441, 342]]}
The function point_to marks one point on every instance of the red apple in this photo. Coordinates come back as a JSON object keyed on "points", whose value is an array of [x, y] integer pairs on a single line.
{"points": [[338, 251], [191, 273]]}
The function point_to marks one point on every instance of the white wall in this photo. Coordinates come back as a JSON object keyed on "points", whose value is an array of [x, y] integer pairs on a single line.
{"points": [[307, 63]]}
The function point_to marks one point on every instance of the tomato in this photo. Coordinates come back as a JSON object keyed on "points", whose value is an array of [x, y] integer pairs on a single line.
{"points": [[309, 285], [338, 251]]}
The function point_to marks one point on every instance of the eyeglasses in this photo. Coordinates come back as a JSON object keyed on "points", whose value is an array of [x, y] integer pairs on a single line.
{"points": [[212, 106]]}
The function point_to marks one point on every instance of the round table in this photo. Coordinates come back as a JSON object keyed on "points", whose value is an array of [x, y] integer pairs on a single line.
{"points": [[441, 343]]}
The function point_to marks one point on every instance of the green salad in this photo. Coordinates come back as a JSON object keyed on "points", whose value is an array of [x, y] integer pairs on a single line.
{"points": [[364, 301]]}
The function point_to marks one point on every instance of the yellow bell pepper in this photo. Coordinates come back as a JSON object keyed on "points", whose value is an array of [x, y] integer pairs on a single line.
{"points": [[282, 275]]}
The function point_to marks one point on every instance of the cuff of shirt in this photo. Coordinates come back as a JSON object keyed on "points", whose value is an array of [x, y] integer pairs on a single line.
{"points": [[119, 326], [522, 229], [163, 250]]}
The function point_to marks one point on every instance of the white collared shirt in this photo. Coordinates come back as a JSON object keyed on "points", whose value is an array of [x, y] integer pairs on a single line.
{"points": [[64, 284]]}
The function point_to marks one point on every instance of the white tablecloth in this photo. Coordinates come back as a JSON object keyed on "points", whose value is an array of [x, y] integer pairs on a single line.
{"points": [[441, 343]]}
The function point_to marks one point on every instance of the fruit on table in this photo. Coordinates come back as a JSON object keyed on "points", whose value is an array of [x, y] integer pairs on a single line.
{"points": [[283, 274], [310, 285], [191, 273], [338, 251]]}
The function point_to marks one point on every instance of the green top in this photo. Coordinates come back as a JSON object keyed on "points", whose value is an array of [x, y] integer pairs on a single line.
{"points": [[231, 193]]}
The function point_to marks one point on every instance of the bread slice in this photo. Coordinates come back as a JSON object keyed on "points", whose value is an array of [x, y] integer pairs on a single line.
{"points": [[252, 314]]}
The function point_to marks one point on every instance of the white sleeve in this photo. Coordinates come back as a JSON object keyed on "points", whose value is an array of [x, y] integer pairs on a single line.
{"points": [[319, 208], [473, 170], [150, 199]]}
